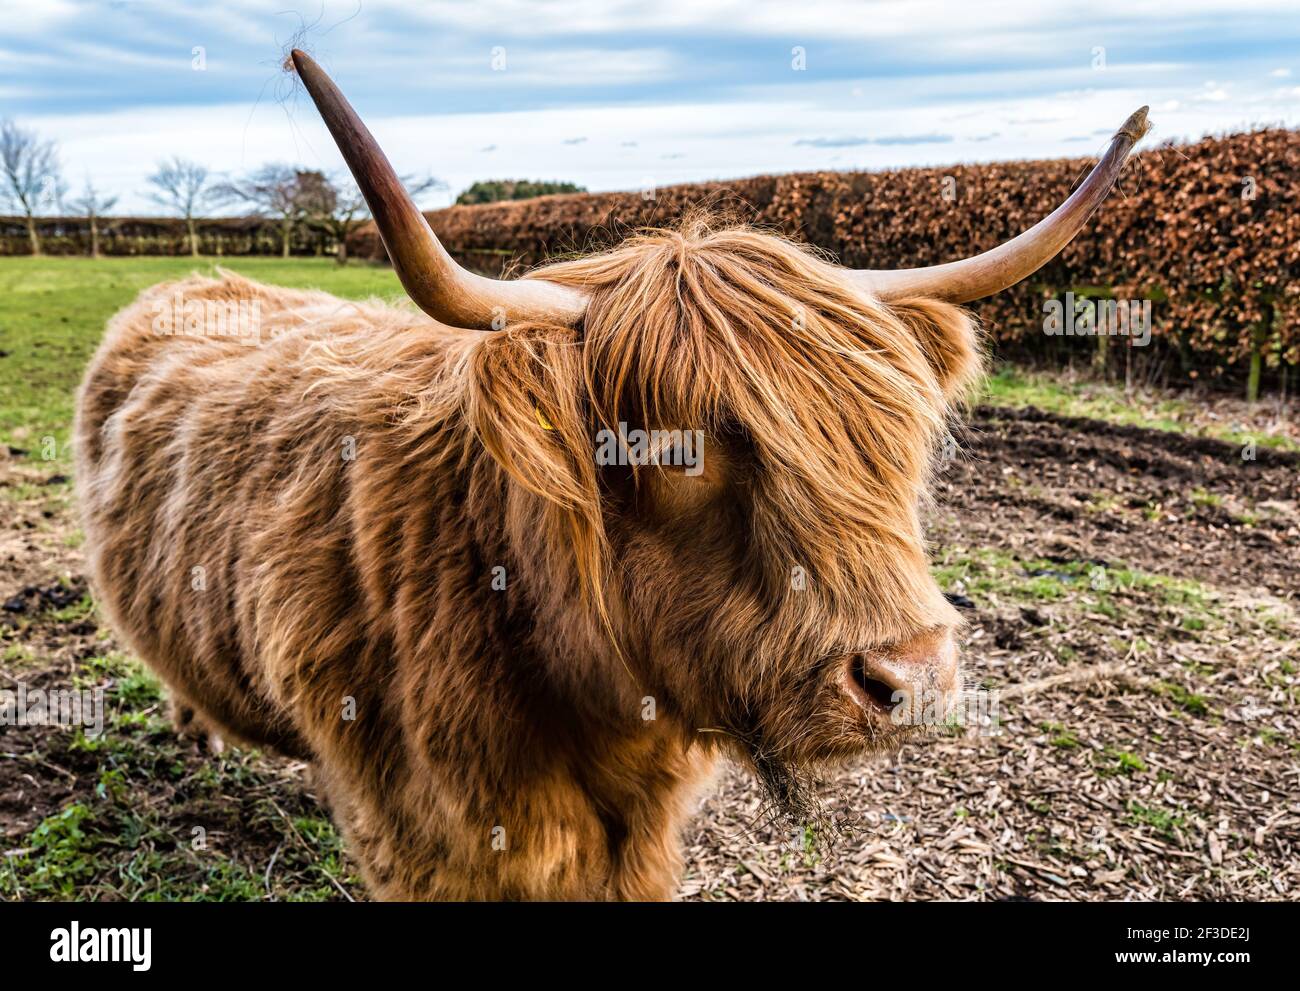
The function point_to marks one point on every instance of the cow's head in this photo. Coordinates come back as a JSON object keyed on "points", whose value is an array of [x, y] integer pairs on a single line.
{"points": [[731, 437]]}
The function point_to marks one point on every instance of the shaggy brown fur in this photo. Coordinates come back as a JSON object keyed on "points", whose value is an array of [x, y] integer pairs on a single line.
{"points": [[543, 740]]}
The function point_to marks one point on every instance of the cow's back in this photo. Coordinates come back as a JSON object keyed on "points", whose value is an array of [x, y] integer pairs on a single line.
{"points": [[187, 447]]}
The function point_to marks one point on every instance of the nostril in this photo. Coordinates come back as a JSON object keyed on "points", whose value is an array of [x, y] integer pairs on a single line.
{"points": [[880, 692]]}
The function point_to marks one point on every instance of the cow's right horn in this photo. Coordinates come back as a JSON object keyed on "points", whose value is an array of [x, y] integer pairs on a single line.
{"points": [[431, 277], [998, 268]]}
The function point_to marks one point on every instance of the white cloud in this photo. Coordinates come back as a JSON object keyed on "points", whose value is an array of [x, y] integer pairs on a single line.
{"points": [[626, 147], [676, 90]]}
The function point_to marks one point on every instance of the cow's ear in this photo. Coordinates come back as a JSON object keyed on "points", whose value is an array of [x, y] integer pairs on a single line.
{"points": [[950, 338], [525, 399]]}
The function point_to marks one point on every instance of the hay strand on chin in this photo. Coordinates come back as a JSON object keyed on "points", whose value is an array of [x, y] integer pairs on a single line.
{"points": [[792, 800]]}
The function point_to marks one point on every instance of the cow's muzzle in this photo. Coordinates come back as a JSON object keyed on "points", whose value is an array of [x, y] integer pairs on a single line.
{"points": [[912, 683]]}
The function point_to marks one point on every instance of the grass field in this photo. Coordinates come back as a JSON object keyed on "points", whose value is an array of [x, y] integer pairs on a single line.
{"points": [[1129, 580], [53, 310], [1205, 414]]}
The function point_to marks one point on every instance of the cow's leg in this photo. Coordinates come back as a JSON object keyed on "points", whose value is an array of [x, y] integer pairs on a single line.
{"points": [[544, 843], [421, 836], [649, 865], [400, 857], [402, 863]]}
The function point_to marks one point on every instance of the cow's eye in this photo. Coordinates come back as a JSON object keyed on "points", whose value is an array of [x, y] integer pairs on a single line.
{"points": [[681, 457], [686, 476]]}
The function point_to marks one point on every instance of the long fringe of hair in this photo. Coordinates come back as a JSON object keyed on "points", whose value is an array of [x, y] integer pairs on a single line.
{"points": [[723, 329]]}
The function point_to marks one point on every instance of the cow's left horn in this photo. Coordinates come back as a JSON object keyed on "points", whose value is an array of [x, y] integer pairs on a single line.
{"points": [[983, 275], [432, 278]]}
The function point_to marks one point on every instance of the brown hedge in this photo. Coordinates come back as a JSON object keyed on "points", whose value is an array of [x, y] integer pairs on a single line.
{"points": [[1183, 229], [157, 236]]}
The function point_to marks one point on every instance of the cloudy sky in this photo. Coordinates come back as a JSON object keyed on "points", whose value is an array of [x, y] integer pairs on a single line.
{"points": [[619, 95]]}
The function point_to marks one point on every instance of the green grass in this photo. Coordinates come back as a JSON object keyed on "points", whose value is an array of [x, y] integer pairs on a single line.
{"points": [[987, 575], [1192, 702], [1202, 498], [1115, 761], [1161, 820], [1017, 388], [53, 312], [161, 823], [1060, 736]]}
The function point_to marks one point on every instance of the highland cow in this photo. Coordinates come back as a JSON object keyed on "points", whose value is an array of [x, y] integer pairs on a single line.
{"points": [[381, 541]]}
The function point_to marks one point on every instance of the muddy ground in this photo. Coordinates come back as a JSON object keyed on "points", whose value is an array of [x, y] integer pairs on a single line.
{"points": [[1132, 643]]}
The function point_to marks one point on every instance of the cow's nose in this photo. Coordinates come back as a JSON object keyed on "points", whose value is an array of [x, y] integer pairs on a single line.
{"points": [[920, 676]]}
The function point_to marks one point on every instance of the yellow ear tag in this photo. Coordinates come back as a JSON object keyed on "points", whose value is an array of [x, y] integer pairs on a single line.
{"points": [[546, 424]]}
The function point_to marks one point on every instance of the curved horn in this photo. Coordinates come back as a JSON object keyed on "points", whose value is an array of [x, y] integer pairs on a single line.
{"points": [[1008, 263], [431, 277]]}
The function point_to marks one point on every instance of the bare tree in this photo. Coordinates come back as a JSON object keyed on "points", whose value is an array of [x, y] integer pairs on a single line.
{"points": [[32, 178], [277, 191], [317, 198], [91, 205], [182, 186], [341, 209]]}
